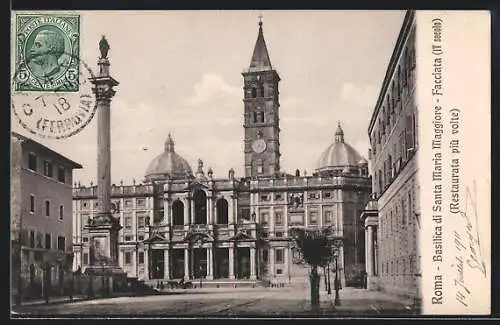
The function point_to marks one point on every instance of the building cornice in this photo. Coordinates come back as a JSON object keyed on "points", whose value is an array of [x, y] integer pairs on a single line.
{"points": [[403, 35]]}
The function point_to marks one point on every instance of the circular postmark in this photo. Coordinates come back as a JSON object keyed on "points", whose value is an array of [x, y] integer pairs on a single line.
{"points": [[56, 114]]}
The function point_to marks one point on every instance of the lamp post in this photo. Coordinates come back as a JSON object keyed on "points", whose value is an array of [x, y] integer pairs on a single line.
{"points": [[103, 280], [336, 282], [328, 275], [201, 266], [337, 241]]}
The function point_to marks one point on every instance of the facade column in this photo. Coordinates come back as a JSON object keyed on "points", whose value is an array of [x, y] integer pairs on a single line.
{"points": [[146, 264], [235, 208], [166, 263], [186, 263], [167, 211], [253, 271], [231, 263], [230, 212], [210, 212], [375, 255], [186, 212], [287, 262], [271, 261], [191, 216], [369, 251], [271, 221], [210, 266]]}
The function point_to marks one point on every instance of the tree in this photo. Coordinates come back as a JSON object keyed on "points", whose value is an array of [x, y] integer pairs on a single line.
{"points": [[316, 248]]}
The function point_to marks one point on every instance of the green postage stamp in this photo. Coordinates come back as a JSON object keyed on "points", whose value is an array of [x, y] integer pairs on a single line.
{"points": [[47, 52]]}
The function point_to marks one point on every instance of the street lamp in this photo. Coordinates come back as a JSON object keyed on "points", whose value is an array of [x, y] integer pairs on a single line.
{"points": [[338, 241], [328, 274], [336, 282]]}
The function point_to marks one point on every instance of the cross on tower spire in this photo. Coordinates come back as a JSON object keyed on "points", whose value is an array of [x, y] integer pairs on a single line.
{"points": [[260, 18]]}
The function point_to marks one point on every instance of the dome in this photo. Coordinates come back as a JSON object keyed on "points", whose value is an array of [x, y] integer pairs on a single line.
{"points": [[169, 164], [338, 155]]}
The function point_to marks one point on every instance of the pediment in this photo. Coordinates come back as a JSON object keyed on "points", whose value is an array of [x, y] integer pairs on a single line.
{"points": [[155, 238], [197, 185], [196, 236], [241, 235]]}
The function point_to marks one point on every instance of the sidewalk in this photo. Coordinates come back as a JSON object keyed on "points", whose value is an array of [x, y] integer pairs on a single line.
{"points": [[53, 300], [76, 298], [361, 301]]}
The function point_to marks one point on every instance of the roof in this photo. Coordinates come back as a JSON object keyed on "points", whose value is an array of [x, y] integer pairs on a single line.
{"points": [[260, 58], [73, 164]]}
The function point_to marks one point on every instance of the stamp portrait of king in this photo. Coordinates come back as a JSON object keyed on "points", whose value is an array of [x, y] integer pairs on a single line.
{"points": [[47, 56]]}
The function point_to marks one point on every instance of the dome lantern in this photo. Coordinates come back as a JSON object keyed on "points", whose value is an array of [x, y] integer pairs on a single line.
{"points": [[169, 144], [339, 134]]}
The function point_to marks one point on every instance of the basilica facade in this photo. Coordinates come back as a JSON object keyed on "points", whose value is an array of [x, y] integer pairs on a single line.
{"points": [[185, 224]]}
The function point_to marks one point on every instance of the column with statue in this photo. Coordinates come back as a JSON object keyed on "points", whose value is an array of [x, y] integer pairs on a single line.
{"points": [[104, 227]]}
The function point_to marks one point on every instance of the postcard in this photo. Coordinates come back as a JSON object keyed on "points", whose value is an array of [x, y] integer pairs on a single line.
{"points": [[263, 164]]}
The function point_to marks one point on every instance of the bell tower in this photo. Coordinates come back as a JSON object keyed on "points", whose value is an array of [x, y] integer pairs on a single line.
{"points": [[261, 113]]}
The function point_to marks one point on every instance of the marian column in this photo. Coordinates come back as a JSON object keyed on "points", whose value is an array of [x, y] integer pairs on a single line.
{"points": [[104, 227]]}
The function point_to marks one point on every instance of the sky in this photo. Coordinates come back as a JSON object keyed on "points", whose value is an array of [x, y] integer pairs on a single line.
{"points": [[180, 73]]}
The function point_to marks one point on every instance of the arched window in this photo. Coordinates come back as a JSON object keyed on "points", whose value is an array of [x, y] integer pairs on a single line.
{"points": [[200, 207], [222, 212], [178, 213]]}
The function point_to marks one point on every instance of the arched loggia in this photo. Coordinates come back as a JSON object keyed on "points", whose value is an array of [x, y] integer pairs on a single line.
{"points": [[200, 207], [222, 212], [178, 213]]}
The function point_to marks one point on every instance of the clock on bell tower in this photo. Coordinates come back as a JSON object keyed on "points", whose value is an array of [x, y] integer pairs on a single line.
{"points": [[261, 118]]}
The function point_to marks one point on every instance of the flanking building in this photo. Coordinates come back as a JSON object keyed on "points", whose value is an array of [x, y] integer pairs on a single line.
{"points": [[392, 216], [41, 216], [183, 224]]}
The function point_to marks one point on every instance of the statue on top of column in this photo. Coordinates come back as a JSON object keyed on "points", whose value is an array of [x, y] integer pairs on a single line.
{"points": [[104, 47]]}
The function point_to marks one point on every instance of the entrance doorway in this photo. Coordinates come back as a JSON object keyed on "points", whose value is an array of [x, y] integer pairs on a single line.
{"points": [[157, 263], [199, 263], [177, 263], [221, 263], [243, 263]]}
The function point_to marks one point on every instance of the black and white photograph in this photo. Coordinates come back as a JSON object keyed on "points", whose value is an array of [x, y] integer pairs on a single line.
{"points": [[248, 164]]}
